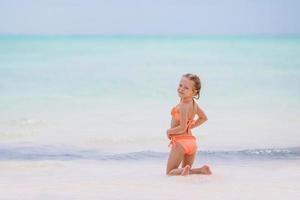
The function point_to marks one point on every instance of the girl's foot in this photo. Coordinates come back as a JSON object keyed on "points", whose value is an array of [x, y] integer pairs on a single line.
{"points": [[186, 170], [206, 170]]}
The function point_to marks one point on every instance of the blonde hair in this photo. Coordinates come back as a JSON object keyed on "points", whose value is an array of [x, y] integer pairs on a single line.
{"points": [[197, 83]]}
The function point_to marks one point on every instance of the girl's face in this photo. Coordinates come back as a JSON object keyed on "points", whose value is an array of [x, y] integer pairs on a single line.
{"points": [[186, 88]]}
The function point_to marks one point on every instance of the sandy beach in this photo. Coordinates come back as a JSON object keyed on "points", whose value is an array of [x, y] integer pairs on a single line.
{"points": [[146, 180]]}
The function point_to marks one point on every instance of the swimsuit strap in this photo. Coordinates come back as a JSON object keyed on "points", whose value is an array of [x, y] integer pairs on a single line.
{"points": [[189, 124]]}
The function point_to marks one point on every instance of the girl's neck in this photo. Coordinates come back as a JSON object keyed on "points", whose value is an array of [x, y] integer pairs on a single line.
{"points": [[186, 100]]}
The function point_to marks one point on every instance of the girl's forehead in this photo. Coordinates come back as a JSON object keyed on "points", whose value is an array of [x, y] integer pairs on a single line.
{"points": [[186, 81]]}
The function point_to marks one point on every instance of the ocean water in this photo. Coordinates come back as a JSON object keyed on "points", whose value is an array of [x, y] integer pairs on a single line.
{"points": [[115, 92], [91, 112]]}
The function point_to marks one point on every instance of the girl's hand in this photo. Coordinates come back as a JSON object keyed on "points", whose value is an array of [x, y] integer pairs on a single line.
{"points": [[168, 135], [189, 132]]}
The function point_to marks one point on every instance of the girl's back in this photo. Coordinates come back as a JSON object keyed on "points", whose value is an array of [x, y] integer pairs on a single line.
{"points": [[191, 107]]}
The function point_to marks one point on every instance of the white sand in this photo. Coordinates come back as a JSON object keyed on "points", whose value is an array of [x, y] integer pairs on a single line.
{"points": [[63, 180]]}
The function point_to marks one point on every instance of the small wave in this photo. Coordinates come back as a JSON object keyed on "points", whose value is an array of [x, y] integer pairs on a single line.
{"points": [[56, 153], [261, 154], [27, 122]]}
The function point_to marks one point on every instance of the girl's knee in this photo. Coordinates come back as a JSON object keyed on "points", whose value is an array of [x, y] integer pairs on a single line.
{"points": [[168, 170]]}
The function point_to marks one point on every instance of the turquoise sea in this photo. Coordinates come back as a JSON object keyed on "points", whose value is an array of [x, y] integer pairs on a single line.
{"points": [[85, 117], [114, 93]]}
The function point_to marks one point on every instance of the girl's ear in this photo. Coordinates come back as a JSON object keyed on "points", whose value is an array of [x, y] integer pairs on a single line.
{"points": [[194, 92], [197, 93]]}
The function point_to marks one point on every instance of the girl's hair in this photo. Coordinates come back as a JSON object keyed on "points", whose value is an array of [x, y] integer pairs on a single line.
{"points": [[197, 83]]}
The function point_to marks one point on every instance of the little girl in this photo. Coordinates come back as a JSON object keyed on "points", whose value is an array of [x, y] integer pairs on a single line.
{"points": [[183, 143]]}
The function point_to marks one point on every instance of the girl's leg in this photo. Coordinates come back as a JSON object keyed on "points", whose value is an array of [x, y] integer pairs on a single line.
{"points": [[202, 170], [175, 158], [189, 160]]}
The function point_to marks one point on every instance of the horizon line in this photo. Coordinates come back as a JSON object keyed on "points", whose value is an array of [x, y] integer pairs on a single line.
{"points": [[153, 35]]}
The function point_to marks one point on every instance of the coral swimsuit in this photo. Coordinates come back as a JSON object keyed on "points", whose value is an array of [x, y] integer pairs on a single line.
{"points": [[187, 141]]}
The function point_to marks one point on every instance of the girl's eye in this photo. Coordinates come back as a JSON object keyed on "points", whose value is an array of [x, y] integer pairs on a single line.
{"points": [[186, 88]]}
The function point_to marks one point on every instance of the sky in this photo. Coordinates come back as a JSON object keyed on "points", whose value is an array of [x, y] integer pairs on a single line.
{"points": [[150, 17]]}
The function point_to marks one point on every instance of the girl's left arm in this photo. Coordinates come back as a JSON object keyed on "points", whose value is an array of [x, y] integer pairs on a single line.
{"points": [[201, 118]]}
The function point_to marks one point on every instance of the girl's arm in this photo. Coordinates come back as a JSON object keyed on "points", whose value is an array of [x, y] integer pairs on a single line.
{"points": [[201, 118], [180, 129]]}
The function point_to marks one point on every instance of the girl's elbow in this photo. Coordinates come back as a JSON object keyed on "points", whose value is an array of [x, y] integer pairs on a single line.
{"points": [[202, 117]]}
